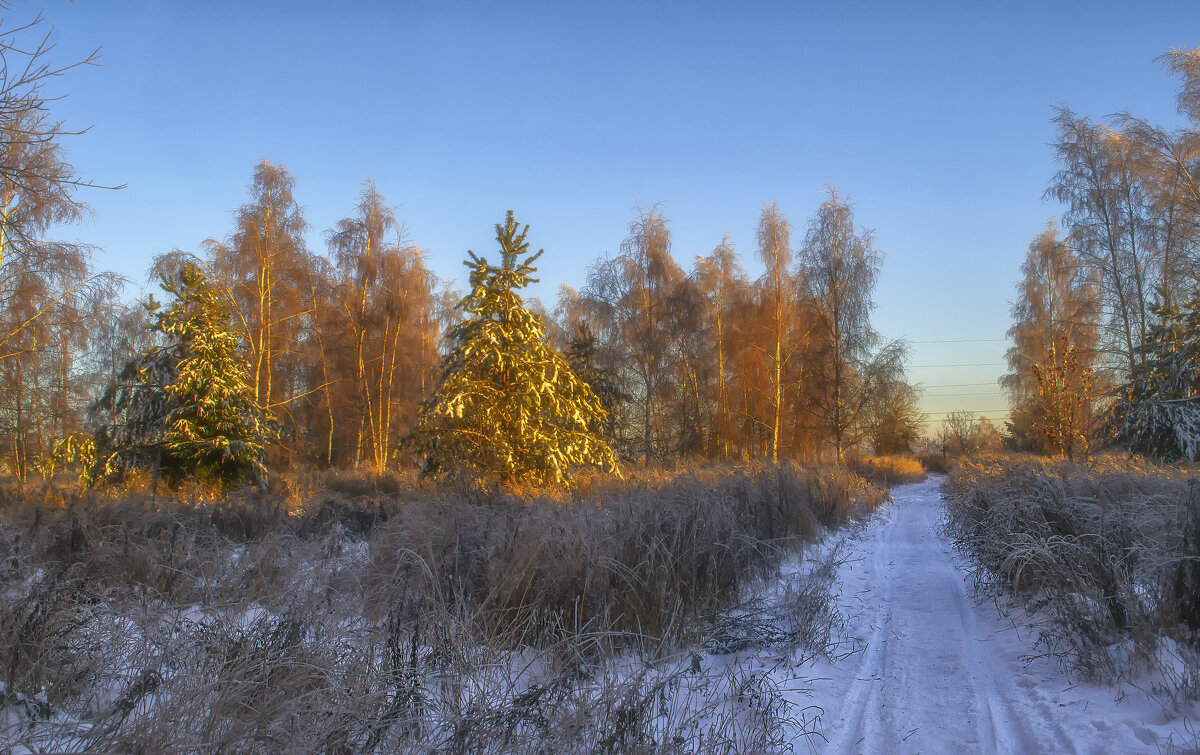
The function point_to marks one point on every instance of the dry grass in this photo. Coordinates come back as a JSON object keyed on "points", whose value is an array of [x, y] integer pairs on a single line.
{"points": [[889, 470], [1110, 553], [376, 615]]}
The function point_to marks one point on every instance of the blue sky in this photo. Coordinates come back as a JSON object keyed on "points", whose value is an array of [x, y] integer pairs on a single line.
{"points": [[932, 117]]}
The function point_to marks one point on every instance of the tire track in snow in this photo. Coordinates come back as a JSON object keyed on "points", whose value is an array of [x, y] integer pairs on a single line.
{"points": [[931, 677], [876, 596]]}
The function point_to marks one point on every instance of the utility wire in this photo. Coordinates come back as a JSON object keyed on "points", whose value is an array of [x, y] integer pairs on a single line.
{"points": [[958, 395], [976, 364], [959, 385], [967, 340], [972, 411]]}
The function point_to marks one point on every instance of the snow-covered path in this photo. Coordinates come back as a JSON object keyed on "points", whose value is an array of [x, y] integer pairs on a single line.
{"points": [[939, 673]]}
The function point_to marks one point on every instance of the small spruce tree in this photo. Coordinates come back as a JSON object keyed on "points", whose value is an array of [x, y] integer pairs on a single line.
{"points": [[582, 356], [187, 408], [507, 404], [1158, 412]]}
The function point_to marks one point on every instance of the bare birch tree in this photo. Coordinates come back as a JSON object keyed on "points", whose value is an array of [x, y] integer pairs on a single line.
{"points": [[721, 280], [41, 286], [893, 418], [774, 234], [961, 428], [386, 325], [26, 68], [1107, 207], [262, 267], [1171, 166], [631, 297], [841, 266]]}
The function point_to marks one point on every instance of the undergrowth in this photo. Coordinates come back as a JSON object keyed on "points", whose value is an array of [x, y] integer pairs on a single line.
{"points": [[352, 614], [1108, 553]]}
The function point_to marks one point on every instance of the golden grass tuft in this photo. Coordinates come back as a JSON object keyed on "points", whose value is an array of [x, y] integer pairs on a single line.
{"points": [[889, 470]]}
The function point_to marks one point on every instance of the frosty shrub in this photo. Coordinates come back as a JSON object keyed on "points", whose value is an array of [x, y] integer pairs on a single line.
{"points": [[1159, 411], [506, 403], [1107, 556], [186, 408]]}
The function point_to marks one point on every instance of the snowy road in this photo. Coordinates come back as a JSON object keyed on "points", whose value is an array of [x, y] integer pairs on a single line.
{"points": [[939, 673]]}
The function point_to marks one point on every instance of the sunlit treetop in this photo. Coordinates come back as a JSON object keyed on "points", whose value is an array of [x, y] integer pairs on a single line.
{"points": [[512, 274]]}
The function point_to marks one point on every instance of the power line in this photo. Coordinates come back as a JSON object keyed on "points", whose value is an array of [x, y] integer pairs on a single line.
{"points": [[976, 364], [959, 385], [967, 340], [958, 395], [972, 411]]}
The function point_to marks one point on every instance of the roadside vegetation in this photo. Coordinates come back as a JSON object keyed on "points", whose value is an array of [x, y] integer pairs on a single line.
{"points": [[350, 613], [1104, 556]]}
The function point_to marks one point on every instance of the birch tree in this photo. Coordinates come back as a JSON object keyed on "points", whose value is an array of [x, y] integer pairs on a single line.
{"points": [[262, 267], [721, 280], [1055, 319], [27, 66], [42, 285], [41, 281], [1172, 169], [693, 372], [630, 296], [840, 265], [893, 417], [383, 327], [774, 235], [1100, 184]]}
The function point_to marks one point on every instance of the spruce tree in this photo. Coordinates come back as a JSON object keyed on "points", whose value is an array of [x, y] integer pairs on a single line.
{"points": [[187, 408], [507, 404], [582, 356], [1158, 412]]}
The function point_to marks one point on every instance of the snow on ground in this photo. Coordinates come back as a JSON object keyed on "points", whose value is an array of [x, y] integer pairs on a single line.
{"points": [[941, 671], [919, 663]]}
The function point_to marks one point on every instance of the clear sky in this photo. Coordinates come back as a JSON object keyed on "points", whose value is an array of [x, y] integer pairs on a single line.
{"points": [[932, 117]]}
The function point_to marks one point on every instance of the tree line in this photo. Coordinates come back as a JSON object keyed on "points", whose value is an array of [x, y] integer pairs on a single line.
{"points": [[711, 362], [1105, 340], [343, 347], [336, 350]]}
